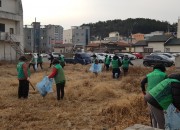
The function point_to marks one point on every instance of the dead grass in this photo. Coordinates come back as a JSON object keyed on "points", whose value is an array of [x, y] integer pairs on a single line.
{"points": [[90, 102]]}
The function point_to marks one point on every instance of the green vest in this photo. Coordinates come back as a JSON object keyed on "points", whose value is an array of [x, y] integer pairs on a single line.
{"points": [[39, 59], [61, 59], [107, 61], [154, 78], [33, 60], [20, 71], [125, 63], [162, 92], [59, 77], [115, 63]]}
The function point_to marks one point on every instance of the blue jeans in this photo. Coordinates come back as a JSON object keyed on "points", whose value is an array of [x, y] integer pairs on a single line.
{"points": [[172, 118]]}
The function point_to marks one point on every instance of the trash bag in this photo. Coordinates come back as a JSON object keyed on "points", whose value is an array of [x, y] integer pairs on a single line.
{"points": [[45, 86], [96, 68], [172, 118]]}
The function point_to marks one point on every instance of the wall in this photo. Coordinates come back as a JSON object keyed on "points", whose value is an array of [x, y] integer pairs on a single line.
{"points": [[173, 48], [7, 52], [178, 30], [138, 49], [8, 6], [157, 46]]}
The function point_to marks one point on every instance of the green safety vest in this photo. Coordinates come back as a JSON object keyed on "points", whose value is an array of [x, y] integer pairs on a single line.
{"points": [[162, 92], [59, 77], [107, 61], [125, 63], [20, 71], [115, 63], [39, 60], [154, 78]]}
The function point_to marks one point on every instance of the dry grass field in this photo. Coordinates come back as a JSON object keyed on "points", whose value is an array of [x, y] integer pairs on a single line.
{"points": [[90, 103]]}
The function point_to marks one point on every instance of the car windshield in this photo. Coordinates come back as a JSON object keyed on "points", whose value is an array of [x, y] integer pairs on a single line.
{"points": [[163, 56], [56, 54], [84, 55]]}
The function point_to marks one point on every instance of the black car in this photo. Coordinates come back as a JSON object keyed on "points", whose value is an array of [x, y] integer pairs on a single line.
{"points": [[152, 60]]}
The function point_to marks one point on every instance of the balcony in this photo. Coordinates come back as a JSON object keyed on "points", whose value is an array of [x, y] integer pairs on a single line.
{"points": [[4, 36]]}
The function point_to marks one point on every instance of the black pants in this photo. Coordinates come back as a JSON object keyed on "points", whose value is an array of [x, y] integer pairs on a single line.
{"points": [[23, 89], [32, 64], [40, 65], [125, 71], [107, 67], [50, 64], [114, 71], [60, 90]]}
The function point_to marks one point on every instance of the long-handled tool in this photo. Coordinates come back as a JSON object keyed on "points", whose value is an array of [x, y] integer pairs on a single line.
{"points": [[31, 85]]}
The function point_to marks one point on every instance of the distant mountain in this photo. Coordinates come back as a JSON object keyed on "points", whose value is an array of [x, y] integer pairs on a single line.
{"points": [[128, 26]]}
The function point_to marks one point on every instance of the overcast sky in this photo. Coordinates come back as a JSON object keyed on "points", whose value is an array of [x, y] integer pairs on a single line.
{"points": [[69, 13]]}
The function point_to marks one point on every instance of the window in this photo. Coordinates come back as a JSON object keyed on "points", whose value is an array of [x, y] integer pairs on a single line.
{"points": [[148, 49], [167, 49], [11, 30], [0, 4], [2, 27]]}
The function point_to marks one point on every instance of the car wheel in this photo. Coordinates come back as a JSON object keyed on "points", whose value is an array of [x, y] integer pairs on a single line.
{"points": [[146, 64]]}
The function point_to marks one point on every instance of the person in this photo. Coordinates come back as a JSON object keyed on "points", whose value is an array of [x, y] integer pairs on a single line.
{"points": [[94, 58], [152, 79], [164, 94], [61, 60], [96, 67], [116, 63], [51, 58], [59, 77], [39, 61], [23, 77], [107, 62], [125, 64], [32, 62]]}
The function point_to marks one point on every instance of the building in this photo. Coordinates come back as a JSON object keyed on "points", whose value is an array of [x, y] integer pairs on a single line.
{"points": [[11, 29], [41, 38], [160, 43], [77, 35], [138, 36]]}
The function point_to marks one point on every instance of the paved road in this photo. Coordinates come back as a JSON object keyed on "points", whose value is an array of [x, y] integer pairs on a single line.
{"points": [[138, 62]]}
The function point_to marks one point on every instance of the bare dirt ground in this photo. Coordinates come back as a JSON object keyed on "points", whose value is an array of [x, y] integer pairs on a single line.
{"points": [[90, 103]]}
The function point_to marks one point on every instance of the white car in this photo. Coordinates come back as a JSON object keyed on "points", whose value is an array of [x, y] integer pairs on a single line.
{"points": [[130, 56], [55, 54], [100, 58]]}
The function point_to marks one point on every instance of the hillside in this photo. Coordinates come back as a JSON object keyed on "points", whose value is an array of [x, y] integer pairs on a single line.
{"points": [[128, 26], [90, 103]]}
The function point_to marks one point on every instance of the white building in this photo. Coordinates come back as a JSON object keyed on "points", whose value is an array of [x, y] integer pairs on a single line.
{"points": [[77, 35], [11, 29]]}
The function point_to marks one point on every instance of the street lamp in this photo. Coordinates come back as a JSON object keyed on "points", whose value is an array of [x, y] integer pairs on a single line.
{"points": [[130, 35]]}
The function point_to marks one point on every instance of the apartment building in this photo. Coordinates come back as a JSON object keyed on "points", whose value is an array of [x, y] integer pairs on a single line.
{"points": [[41, 38], [11, 29], [77, 35]]}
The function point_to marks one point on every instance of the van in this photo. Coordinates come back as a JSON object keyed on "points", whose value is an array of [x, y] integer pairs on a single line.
{"points": [[82, 58]]}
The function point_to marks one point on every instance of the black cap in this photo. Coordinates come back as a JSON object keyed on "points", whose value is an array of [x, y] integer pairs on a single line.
{"points": [[55, 61], [160, 67]]}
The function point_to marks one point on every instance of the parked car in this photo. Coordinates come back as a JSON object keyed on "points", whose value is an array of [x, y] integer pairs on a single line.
{"points": [[152, 60], [81, 57], [100, 57], [44, 54], [130, 56], [55, 54], [138, 55], [170, 56]]}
